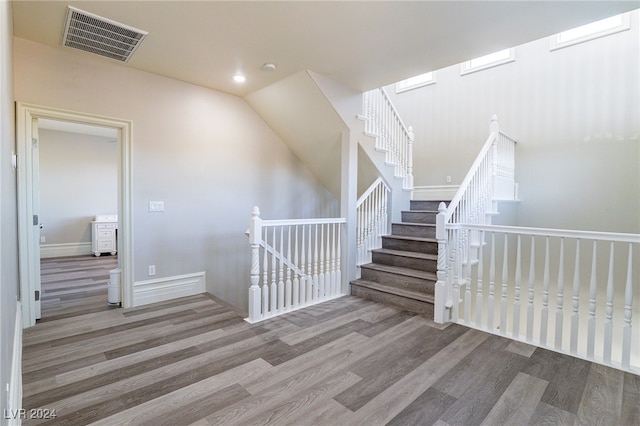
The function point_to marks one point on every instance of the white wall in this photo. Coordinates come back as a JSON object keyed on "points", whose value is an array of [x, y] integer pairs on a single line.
{"points": [[78, 179], [206, 154], [8, 208], [575, 113]]}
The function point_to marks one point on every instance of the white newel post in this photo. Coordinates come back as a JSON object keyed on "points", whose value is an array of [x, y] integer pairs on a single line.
{"points": [[409, 180], [494, 130], [255, 236], [441, 313]]}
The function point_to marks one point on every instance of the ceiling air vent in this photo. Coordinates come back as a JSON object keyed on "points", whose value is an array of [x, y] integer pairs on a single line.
{"points": [[104, 37]]}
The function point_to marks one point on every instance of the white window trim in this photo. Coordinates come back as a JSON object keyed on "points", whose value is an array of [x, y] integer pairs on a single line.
{"points": [[467, 68], [625, 25], [403, 86]]}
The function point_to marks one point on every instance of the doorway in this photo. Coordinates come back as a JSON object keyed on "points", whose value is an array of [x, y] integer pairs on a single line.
{"points": [[28, 208], [78, 191]]}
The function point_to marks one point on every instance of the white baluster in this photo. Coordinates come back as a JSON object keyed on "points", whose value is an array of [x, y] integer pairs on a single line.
{"points": [[628, 303], [311, 281], [503, 292], [492, 282], [575, 319], [455, 309], [338, 258], [479, 292], [255, 238], [334, 278], [322, 266], [265, 279], [273, 292], [304, 280], [560, 299], [532, 283], [280, 290], [288, 283], [385, 218], [316, 286], [608, 323], [296, 275], [359, 233], [328, 284], [591, 322], [516, 300], [544, 314], [467, 294]]}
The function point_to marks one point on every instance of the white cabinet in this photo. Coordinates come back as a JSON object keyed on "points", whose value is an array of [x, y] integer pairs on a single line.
{"points": [[103, 237]]}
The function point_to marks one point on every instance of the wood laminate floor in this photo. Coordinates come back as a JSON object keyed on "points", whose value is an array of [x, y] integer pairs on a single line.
{"points": [[345, 362], [74, 285]]}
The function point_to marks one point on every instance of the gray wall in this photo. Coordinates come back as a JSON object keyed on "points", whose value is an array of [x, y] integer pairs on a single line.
{"points": [[575, 113], [8, 207], [206, 154], [78, 179]]}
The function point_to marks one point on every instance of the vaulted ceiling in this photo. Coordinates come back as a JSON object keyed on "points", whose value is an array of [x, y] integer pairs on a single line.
{"points": [[363, 44]]}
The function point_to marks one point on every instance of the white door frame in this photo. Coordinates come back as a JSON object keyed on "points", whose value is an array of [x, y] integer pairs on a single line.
{"points": [[28, 254]]}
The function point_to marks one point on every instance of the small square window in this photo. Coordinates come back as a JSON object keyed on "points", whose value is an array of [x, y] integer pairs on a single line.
{"points": [[415, 82], [487, 61], [604, 27]]}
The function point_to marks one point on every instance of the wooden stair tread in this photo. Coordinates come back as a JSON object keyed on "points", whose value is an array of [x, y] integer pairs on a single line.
{"points": [[401, 271], [429, 225], [405, 253], [423, 297], [409, 238], [420, 211]]}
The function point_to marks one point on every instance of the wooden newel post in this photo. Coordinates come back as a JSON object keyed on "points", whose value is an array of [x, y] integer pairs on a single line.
{"points": [[441, 312], [255, 238]]}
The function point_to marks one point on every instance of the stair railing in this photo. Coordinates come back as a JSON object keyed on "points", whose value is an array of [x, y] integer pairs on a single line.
{"points": [[383, 122], [294, 263], [577, 298], [372, 219], [491, 177]]}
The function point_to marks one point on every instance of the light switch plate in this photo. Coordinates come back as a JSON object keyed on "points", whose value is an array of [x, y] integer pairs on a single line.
{"points": [[156, 206]]}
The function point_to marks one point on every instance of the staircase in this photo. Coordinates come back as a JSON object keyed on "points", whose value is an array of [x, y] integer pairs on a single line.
{"points": [[403, 271]]}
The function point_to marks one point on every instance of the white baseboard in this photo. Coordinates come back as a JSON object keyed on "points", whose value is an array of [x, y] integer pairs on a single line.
{"points": [[161, 289], [14, 399], [62, 250], [434, 192]]}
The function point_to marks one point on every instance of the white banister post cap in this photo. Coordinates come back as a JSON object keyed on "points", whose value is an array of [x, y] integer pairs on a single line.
{"points": [[494, 124], [255, 211], [442, 207]]}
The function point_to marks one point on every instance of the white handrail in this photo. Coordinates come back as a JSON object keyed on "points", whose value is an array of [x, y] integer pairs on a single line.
{"points": [[602, 268], [455, 201], [491, 177], [550, 232], [392, 136], [294, 263], [395, 111], [372, 216], [369, 190], [292, 222]]}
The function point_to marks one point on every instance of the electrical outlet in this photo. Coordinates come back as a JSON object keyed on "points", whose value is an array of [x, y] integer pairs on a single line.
{"points": [[43, 239], [448, 179], [152, 270]]}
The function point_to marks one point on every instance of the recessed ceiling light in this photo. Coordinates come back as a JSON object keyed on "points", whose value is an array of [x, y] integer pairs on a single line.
{"points": [[269, 67], [239, 78]]}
